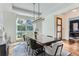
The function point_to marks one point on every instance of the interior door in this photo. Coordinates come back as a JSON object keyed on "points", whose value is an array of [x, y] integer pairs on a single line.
{"points": [[59, 28]]}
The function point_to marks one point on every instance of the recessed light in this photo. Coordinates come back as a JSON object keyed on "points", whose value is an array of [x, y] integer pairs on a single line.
{"points": [[74, 10]]}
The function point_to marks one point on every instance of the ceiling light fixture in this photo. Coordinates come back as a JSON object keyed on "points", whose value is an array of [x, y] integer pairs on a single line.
{"points": [[38, 18]]}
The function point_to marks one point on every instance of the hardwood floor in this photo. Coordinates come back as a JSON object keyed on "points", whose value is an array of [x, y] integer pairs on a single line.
{"points": [[73, 48]]}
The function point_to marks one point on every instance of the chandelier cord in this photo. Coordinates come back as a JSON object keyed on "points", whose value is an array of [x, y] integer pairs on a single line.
{"points": [[38, 9], [34, 10]]}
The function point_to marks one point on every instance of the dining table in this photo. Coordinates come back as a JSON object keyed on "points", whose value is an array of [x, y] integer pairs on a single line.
{"points": [[43, 40]]}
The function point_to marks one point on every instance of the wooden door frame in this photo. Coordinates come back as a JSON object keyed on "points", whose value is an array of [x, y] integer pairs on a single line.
{"points": [[58, 25]]}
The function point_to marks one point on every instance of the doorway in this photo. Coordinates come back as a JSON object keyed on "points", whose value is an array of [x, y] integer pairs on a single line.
{"points": [[59, 28]]}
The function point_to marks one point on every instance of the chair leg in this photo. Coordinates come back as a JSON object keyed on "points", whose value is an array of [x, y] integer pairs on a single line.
{"points": [[28, 51], [32, 53], [25, 51], [44, 51], [44, 54]]}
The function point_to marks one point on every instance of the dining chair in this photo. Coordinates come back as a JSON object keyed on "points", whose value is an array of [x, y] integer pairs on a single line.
{"points": [[36, 48], [61, 51], [54, 50]]}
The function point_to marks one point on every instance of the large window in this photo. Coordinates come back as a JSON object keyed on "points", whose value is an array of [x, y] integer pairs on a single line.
{"points": [[23, 26]]}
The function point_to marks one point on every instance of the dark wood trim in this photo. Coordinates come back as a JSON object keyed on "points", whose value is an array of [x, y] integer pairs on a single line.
{"points": [[58, 18], [59, 25]]}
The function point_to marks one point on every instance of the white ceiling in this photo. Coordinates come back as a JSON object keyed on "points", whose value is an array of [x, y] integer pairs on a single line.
{"points": [[45, 8]]}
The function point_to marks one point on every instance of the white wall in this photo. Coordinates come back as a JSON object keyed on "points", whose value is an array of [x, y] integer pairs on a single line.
{"points": [[10, 25], [1, 14], [48, 25], [1, 18]]}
